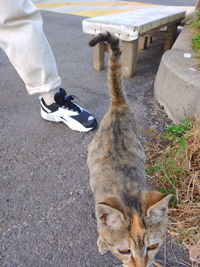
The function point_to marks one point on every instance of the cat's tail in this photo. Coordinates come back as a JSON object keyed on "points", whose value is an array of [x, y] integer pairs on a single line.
{"points": [[115, 83]]}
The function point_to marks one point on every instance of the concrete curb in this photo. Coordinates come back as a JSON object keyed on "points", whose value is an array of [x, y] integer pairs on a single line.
{"points": [[177, 83]]}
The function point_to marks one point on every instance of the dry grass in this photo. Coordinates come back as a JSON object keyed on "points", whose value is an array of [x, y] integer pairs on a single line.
{"points": [[173, 166]]}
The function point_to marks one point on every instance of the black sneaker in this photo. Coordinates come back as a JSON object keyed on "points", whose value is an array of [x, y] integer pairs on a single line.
{"points": [[65, 110]]}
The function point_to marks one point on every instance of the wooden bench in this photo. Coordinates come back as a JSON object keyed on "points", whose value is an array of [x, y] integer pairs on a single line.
{"points": [[129, 27]]}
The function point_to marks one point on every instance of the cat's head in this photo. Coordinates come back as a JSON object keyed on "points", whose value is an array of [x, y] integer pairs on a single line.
{"points": [[133, 234]]}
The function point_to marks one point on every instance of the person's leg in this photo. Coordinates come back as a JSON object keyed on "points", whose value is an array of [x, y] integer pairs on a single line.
{"points": [[23, 40]]}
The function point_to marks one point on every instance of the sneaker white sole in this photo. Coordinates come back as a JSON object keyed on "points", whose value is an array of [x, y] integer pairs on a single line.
{"points": [[71, 123]]}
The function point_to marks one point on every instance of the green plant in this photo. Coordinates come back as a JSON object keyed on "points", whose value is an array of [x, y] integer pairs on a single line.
{"points": [[173, 166], [196, 24], [196, 21], [183, 232], [153, 169], [197, 15], [177, 130], [196, 42]]}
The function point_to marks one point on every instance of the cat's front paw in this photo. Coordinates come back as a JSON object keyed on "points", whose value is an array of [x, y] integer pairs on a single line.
{"points": [[101, 246]]}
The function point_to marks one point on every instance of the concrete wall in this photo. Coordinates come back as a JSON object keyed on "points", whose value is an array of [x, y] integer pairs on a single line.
{"points": [[177, 83]]}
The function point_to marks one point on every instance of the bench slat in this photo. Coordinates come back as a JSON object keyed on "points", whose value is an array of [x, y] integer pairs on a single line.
{"points": [[129, 25]]}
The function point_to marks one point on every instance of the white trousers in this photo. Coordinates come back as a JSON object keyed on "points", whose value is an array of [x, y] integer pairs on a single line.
{"points": [[23, 40]]}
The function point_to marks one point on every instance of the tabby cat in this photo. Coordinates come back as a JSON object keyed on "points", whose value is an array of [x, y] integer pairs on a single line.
{"points": [[131, 219]]}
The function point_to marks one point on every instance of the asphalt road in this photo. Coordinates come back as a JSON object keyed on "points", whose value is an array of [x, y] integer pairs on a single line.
{"points": [[47, 212]]}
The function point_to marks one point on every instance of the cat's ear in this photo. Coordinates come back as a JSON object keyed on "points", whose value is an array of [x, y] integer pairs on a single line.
{"points": [[109, 214], [156, 205]]}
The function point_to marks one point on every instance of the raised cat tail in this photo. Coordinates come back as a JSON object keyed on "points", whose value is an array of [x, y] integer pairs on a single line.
{"points": [[115, 83]]}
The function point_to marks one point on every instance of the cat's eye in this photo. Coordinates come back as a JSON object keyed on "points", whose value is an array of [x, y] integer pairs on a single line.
{"points": [[154, 246], [124, 251]]}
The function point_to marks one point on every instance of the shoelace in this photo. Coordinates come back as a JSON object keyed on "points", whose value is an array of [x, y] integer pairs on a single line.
{"points": [[69, 104]]}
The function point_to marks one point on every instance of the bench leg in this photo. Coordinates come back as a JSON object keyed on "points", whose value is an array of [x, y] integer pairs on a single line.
{"points": [[172, 30], [143, 42], [98, 56], [129, 57]]}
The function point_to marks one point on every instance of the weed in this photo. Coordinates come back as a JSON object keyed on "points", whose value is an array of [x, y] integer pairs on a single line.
{"points": [[183, 232], [196, 42], [174, 168], [178, 130], [196, 21]]}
